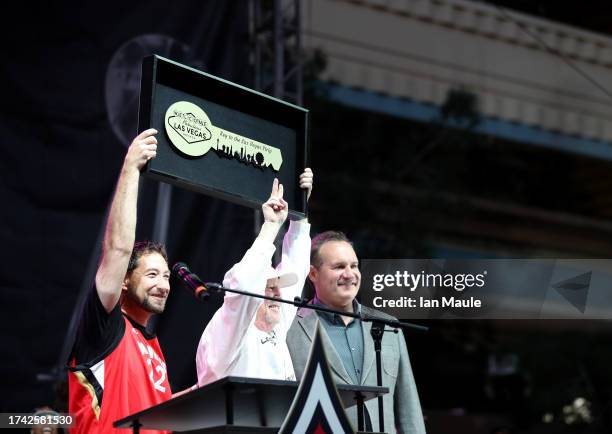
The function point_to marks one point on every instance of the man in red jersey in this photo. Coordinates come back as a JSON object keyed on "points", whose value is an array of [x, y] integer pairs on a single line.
{"points": [[117, 367]]}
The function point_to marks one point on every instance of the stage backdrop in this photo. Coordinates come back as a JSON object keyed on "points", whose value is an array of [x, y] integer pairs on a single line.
{"points": [[69, 76]]}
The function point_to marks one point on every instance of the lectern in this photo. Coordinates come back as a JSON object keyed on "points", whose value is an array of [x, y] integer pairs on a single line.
{"points": [[234, 405]]}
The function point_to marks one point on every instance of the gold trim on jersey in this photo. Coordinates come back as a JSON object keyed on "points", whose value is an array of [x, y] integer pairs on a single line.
{"points": [[95, 406]]}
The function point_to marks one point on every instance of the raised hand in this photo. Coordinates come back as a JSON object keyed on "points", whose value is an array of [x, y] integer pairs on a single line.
{"points": [[306, 181], [142, 149], [121, 223], [275, 209]]}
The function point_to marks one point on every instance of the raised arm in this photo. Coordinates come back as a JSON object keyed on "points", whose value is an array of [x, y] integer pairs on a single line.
{"points": [[296, 244], [121, 224], [250, 273], [296, 252], [224, 335]]}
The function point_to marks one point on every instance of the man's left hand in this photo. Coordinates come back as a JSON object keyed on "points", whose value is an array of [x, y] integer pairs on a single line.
{"points": [[306, 181]]}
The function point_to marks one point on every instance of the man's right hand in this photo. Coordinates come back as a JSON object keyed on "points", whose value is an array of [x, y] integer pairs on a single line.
{"points": [[275, 209], [121, 223], [142, 149]]}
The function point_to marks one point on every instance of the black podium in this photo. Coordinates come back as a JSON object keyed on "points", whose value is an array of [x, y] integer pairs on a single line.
{"points": [[234, 405]]}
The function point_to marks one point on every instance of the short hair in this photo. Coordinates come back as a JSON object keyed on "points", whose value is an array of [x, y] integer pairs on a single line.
{"points": [[145, 248], [309, 290], [322, 238]]}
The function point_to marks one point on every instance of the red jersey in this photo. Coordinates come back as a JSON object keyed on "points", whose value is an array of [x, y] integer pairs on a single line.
{"points": [[117, 368]]}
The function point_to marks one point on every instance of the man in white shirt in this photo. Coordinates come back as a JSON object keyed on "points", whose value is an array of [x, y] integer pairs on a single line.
{"points": [[246, 336]]}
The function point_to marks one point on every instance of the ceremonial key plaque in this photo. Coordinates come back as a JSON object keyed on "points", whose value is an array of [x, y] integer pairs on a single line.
{"points": [[191, 132], [219, 138]]}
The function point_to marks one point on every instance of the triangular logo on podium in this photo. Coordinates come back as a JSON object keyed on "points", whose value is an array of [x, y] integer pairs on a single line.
{"points": [[317, 407]]}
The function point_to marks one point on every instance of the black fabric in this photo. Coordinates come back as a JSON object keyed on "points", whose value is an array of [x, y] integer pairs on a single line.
{"points": [[91, 379], [99, 332], [59, 164], [148, 334]]}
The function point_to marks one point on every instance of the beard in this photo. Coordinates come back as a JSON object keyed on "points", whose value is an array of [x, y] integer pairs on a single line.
{"points": [[150, 306], [148, 303]]}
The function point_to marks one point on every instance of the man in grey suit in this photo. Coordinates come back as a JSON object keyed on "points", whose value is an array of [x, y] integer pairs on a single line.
{"points": [[334, 273]]}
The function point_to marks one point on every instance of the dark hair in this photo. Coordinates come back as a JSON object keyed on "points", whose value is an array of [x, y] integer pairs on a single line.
{"points": [[322, 238], [145, 248], [308, 292]]}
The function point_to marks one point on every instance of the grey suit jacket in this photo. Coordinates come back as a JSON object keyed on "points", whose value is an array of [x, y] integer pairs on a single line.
{"points": [[402, 409]]}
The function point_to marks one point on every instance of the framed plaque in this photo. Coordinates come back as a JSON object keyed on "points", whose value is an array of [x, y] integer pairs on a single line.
{"points": [[222, 139]]}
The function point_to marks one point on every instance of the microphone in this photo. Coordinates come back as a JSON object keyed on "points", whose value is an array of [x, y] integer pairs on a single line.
{"points": [[190, 280]]}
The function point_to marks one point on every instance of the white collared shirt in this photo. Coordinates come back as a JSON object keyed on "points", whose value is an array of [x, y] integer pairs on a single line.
{"points": [[231, 344]]}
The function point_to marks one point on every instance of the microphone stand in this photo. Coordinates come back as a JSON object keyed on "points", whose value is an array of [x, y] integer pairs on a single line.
{"points": [[377, 331], [378, 328], [299, 302]]}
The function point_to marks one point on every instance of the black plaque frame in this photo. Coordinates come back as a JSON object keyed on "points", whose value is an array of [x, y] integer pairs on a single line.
{"points": [[234, 108]]}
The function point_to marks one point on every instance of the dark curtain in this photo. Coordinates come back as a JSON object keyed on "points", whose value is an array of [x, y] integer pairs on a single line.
{"points": [[60, 161]]}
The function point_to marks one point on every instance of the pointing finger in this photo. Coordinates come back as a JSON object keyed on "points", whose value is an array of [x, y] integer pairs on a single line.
{"points": [[274, 188]]}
